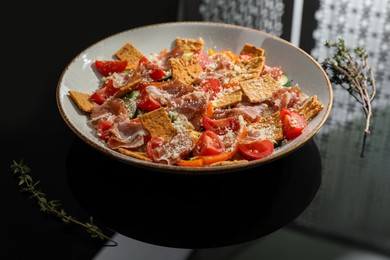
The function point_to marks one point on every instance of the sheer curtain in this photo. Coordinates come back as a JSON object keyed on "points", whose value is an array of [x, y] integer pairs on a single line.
{"points": [[353, 200], [261, 14]]}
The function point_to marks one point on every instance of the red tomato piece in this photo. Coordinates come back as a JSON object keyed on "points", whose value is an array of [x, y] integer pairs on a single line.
{"points": [[152, 145], [110, 88], [257, 149], [293, 123], [148, 103], [107, 67], [221, 126], [151, 69], [102, 130], [157, 74], [208, 144], [145, 101], [106, 91], [211, 86], [99, 96]]}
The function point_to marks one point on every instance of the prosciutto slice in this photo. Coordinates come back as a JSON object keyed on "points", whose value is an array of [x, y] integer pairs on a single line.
{"points": [[192, 105], [109, 111], [126, 134], [250, 112], [165, 93], [170, 152], [291, 97]]}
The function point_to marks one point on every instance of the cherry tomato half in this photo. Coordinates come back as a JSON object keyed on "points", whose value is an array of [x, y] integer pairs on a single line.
{"points": [[106, 91], [257, 149], [107, 67], [148, 103], [293, 123], [152, 69], [208, 144]]}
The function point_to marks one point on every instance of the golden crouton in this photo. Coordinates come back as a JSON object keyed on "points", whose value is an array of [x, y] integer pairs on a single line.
{"points": [[190, 45], [129, 53], [224, 163], [82, 100], [158, 124], [249, 69], [130, 84], [185, 69], [252, 50], [139, 155], [260, 89], [310, 109], [268, 127], [229, 99]]}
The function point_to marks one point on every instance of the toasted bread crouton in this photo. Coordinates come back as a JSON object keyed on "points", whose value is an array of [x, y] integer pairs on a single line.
{"points": [[229, 99], [249, 69], [268, 127], [189, 45], [129, 53], [310, 109], [185, 69], [158, 124], [82, 100], [260, 89], [139, 155], [252, 50], [224, 163], [129, 86]]}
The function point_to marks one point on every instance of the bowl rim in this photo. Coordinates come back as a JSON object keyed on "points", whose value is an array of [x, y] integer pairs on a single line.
{"points": [[184, 170]]}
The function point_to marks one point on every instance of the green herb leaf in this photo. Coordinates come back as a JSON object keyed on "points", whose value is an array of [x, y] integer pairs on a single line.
{"points": [[349, 69], [51, 206]]}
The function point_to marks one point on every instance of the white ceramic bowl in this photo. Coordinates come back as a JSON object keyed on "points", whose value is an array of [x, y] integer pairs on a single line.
{"points": [[296, 63]]}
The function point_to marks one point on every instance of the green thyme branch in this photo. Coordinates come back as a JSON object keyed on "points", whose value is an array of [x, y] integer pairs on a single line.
{"points": [[52, 206], [351, 71]]}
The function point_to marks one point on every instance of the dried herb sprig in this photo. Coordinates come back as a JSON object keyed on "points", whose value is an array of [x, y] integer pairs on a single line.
{"points": [[52, 206], [350, 70]]}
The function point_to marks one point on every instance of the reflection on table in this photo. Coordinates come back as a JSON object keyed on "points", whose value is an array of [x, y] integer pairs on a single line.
{"points": [[186, 211]]}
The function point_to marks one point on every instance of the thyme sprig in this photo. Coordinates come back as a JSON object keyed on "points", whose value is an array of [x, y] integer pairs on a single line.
{"points": [[350, 69], [52, 206]]}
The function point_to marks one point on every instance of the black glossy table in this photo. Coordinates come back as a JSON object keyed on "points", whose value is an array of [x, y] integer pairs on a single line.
{"points": [[187, 211], [178, 211]]}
